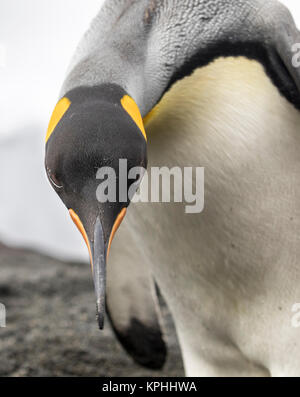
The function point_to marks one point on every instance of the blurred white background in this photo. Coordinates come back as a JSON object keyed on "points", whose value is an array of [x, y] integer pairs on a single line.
{"points": [[37, 40]]}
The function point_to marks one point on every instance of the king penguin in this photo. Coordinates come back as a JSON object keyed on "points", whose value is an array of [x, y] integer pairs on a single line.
{"points": [[190, 83]]}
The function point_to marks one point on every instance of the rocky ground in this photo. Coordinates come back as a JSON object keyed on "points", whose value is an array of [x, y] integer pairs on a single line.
{"points": [[51, 328]]}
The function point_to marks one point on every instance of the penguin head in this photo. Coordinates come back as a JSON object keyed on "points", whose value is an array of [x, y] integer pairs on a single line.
{"points": [[93, 131]]}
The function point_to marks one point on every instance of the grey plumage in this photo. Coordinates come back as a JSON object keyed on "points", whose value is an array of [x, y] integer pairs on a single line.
{"points": [[143, 46]]}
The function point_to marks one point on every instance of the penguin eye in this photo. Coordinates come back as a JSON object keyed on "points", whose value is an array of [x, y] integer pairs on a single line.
{"points": [[54, 181]]}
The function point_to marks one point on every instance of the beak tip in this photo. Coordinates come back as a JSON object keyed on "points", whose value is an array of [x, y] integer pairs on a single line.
{"points": [[100, 316]]}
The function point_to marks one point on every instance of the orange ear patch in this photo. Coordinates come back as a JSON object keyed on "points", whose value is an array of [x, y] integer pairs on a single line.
{"points": [[132, 109], [80, 227], [58, 113]]}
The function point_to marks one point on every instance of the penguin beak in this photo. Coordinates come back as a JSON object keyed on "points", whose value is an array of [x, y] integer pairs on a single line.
{"points": [[99, 251]]}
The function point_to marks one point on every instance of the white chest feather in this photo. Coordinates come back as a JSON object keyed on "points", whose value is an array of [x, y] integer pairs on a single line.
{"points": [[230, 274]]}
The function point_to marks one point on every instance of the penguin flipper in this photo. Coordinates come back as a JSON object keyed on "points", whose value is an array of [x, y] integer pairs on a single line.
{"points": [[133, 309]]}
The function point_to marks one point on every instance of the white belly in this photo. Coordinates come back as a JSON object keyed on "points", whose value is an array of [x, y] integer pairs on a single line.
{"points": [[231, 274]]}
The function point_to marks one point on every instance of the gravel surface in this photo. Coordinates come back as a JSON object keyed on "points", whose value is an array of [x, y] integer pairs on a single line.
{"points": [[51, 328]]}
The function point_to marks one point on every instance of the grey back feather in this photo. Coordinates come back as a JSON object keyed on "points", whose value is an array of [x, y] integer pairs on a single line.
{"points": [[144, 46]]}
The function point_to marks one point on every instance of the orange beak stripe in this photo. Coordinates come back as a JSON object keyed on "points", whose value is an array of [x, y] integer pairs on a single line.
{"points": [[116, 226], [80, 227]]}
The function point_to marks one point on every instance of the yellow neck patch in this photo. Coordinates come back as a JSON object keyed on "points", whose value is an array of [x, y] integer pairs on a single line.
{"points": [[59, 111], [132, 109], [150, 116]]}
